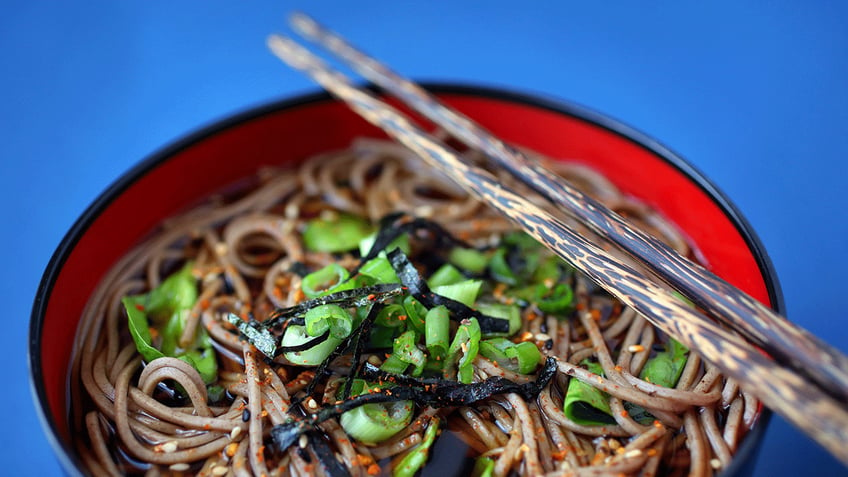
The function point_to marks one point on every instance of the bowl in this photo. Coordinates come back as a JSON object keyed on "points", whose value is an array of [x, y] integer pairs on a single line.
{"points": [[290, 130]]}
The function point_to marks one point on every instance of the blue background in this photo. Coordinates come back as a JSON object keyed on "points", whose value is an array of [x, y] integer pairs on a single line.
{"points": [[754, 96]]}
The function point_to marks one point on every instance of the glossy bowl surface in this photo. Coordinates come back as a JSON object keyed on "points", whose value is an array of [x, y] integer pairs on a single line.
{"points": [[290, 130]]}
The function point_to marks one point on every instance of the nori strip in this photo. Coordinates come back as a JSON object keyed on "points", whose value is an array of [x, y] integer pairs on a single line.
{"points": [[355, 297], [326, 456], [304, 346], [417, 287], [396, 224], [434, 393]]}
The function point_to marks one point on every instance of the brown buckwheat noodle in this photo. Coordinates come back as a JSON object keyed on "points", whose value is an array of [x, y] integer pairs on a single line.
{"points": [[243, 246]]}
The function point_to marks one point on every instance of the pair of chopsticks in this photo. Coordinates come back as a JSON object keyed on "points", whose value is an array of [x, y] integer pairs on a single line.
{"points": [[803, 379]]}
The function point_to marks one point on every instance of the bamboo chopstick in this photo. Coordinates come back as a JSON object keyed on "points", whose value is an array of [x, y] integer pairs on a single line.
{"points": [[776, 335], [808, 407]]}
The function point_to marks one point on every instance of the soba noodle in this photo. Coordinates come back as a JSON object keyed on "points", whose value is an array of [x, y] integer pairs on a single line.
{"points": [[158, 417]]}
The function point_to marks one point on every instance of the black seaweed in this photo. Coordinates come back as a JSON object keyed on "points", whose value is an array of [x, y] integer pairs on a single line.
{"points": [[326, 456], [417, 287], [424, 392], [394, 225]]}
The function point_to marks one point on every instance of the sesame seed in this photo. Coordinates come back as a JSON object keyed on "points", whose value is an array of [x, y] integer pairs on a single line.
{"points": [[715, 463], [637, 348], [633, 453], [219, 470], [181, 467], [542, 337], [303, 441], [311, 403], [170, 446], [235, 433]]}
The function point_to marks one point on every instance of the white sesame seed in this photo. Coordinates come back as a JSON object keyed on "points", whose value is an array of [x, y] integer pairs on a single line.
{"points": [[219, 470], [303, 441], [170, 446], [633, 453], [235, 433], [542, 337], [637, 348], [220, 249], [181, 467], [311, 403], [715, 463]]}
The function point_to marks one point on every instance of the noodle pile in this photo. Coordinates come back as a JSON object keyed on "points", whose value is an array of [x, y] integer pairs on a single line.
{"points": [[242, 248]]}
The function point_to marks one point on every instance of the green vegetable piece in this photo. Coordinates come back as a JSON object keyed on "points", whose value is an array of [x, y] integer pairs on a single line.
{"points": [[335, 233], [466, 344], [556, 299], [401, 242], [405, 349], [415, 313], [500, 269], [380, 269], [167, 307], [375, 422], [464, 292], [665, 368], [417, 457], [138, 328], [296, 335], [511, 313], [177, 292], [447, 274], [382, 336], [483, 467], [587, 405], [392, 316], [437, 331], [469, 259], [521, 357], [331, 278], [328, 317]]}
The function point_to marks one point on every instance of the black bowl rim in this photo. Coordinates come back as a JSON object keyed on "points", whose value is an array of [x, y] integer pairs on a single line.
{"points": [[71, 463]]}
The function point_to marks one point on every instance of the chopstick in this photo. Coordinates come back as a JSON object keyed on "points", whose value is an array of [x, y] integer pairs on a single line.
{"points": [[782, 339], [805, 405]]}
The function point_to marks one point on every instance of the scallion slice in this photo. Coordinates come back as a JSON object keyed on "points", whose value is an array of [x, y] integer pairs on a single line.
{"points": [[335, 233]]}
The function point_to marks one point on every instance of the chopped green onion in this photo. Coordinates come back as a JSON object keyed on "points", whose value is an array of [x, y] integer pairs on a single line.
{"points": [[555, 299], [500, 269], [296, 335], [466, 342], [177, 292], [382, 337], [392, 316], [447, 274], [511, 313], [437, 331], [405, 349], [328, 317], [417, 457], [375, 422], [167, 307], [329, 279], [380, 269], [521, 357], [468, 259], [483, 467], [665, 368], [401, 242], [415, 313], [335, 233], [464, 292], [585, 404]]}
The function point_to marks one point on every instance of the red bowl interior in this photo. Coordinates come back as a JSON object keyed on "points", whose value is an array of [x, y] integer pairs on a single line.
{"points": [[289, 131]]}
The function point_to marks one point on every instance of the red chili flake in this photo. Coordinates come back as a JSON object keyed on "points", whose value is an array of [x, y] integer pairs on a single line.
{"points": [[373, 469], [624, 413], [139, 307]]}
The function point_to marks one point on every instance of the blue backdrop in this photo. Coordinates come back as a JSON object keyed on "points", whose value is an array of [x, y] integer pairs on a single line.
{"points": [[753, 95]]}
